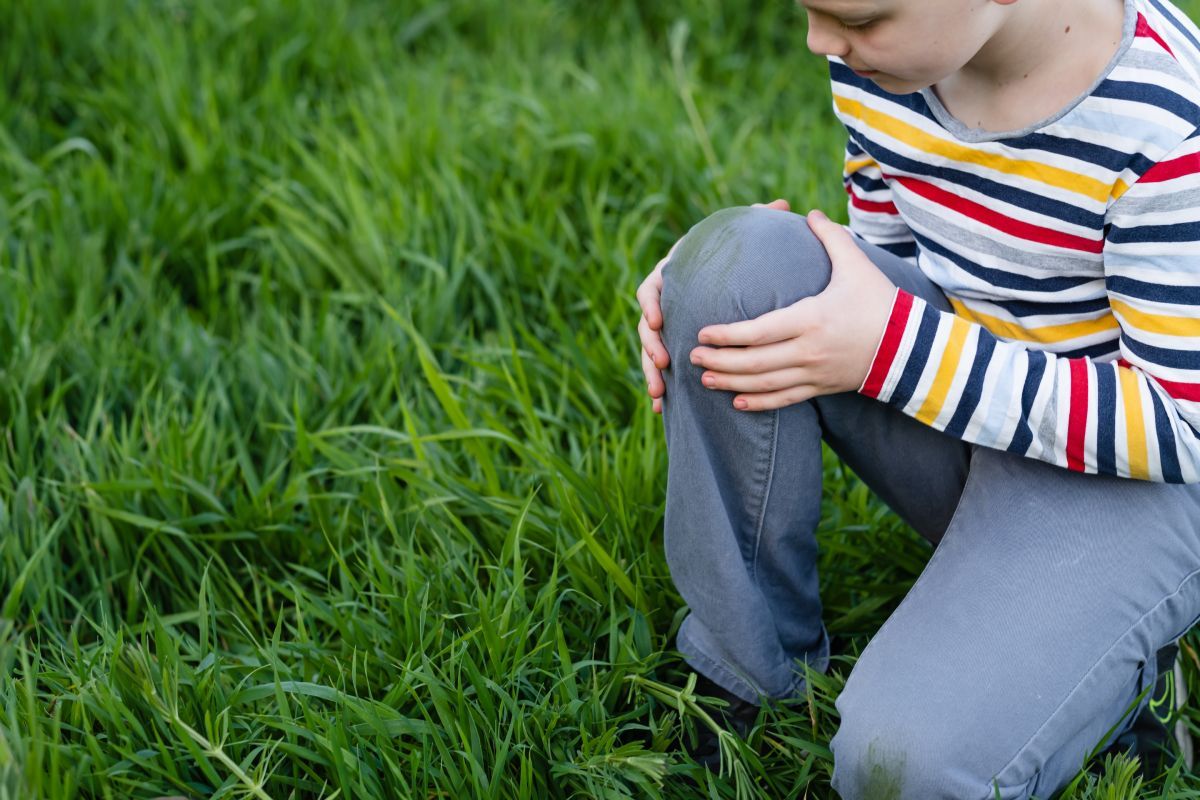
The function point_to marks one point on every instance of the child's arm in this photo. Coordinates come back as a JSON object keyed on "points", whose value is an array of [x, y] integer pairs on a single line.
{"points": [[1137, 417]]}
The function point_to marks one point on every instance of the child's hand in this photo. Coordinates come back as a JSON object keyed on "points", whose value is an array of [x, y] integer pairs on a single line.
{"points": [[819, 345], [654, 354]]}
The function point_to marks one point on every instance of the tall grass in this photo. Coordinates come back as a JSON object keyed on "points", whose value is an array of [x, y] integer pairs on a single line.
{"points": [[326, 467]]}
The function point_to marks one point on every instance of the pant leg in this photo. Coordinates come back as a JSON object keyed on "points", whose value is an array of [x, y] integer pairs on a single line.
{"points": [[1029, 633], [1022, 643], [744, 488]]}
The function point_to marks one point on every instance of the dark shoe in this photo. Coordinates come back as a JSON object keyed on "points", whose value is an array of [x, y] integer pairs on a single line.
{"points": [[1159, 735], [737, 717]]}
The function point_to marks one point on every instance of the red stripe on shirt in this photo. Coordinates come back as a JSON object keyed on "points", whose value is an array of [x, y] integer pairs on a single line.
{"points": [[889, 345], [1176, 389], [994, 219], [1077, 422], [1144, 29], [871, 205], [1181, 391], [1169, 170]]}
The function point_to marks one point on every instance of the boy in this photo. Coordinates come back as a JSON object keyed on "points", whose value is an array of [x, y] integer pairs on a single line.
{"points": [[1008, 354]]}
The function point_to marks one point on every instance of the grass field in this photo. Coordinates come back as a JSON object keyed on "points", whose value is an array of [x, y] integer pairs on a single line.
{"points": [[327, 468]]}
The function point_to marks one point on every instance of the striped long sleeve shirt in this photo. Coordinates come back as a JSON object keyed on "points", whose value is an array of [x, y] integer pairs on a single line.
{"points": [[1069, 252]]}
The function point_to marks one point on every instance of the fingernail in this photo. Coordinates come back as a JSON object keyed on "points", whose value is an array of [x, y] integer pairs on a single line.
{"points": [[740, 403], [708, 380], [818, 213]]}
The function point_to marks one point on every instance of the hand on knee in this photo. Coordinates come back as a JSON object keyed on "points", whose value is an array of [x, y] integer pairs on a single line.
{"points": [[772, 333]]}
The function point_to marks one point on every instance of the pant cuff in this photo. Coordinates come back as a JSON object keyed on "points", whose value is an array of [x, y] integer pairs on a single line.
{"points": [[734, 680]]}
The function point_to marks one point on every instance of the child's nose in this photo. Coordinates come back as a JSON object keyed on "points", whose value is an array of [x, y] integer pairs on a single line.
{"points": [[823, 39]]}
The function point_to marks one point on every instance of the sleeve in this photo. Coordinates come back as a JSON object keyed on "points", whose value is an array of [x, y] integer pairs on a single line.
{"points": [[1137, 416], [873, 215]]}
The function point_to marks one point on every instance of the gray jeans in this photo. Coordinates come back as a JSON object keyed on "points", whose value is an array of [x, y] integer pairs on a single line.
{"points": [[1031, 629]]}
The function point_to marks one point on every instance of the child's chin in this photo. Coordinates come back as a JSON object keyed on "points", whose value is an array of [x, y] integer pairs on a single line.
{"points": [[890, 83]]}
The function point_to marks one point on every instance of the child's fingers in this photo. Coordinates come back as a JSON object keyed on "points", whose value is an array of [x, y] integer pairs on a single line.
{"points": [[648, 295], [835, 239], [652, 344], [650, 290], [772, 381], [766, 401], [773, 326], [751, 360], [654, 381]]}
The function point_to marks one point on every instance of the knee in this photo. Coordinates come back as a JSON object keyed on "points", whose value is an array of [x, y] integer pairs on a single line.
{"points": [[888, 746], [738, 264]]}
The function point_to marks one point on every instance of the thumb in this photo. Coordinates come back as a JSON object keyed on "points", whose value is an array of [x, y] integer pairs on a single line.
{"points": [[851, 267], [836, 240]]}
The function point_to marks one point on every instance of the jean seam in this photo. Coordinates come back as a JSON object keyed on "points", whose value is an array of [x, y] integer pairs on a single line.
{"points": [[766, 495], [1189, 578], [1025, 789], [720, 666], [796, 685]]}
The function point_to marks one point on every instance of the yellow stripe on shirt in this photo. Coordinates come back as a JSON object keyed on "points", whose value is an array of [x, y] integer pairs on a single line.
{"points": [[1046, 334], [1166, 324], [936, 397], [1135, 424], [855, 164], [913, 136]]}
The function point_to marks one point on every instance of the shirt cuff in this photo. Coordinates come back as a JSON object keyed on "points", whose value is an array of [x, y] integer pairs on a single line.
{"points": [[889, 344]]}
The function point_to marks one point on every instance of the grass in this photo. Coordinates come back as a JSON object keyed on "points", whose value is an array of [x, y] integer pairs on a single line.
{"points": [[326, 467]]}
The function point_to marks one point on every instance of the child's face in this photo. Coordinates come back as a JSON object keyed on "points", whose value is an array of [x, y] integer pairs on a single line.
{"points": [[902, 45]]}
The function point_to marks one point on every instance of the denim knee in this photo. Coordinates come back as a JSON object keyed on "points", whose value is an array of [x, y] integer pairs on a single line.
{"points": [[888, 746], [735, 265]]}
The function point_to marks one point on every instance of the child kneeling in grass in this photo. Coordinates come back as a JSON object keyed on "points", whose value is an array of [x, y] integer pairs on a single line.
{"points": [[1006, 350]]}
